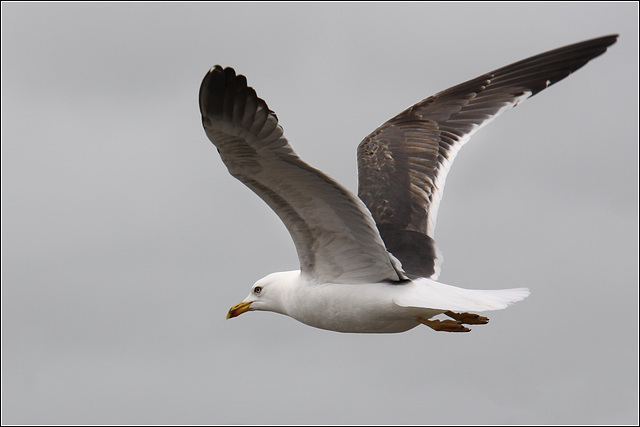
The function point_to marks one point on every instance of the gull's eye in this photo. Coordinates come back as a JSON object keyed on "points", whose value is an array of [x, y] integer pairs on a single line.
{"points": [[257, 290]]}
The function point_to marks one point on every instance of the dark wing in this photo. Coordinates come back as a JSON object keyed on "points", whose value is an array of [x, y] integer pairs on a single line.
{"points": [[334, 234], [402, 165]]}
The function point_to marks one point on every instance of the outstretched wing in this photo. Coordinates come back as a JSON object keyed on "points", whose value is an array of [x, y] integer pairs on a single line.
{"points": [[334, 234], [402, 165]]}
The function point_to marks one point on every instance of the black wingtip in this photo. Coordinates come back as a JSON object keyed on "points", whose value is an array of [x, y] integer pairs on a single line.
{"points": [[602, 42], [599, 44], [213, 87], [610, 39], [538, 72], [221, 88]]}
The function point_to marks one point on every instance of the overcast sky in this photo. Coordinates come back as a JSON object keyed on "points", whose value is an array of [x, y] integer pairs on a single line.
{"points": [[125, 240]]}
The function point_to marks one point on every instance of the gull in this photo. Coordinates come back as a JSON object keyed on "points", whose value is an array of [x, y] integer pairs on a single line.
{"points": [[369, 263]]}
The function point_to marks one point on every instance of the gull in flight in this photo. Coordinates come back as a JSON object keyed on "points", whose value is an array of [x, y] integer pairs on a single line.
{"points": [[369, 263]]}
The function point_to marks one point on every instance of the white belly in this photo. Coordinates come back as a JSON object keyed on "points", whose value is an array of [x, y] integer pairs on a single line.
{"points": [[349, 308]]}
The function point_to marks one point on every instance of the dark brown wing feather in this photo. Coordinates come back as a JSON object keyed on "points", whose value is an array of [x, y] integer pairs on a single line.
{"points": [[402, 165]]}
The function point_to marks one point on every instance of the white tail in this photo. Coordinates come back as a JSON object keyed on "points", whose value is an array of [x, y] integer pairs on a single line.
{"points": [[427, 293]]}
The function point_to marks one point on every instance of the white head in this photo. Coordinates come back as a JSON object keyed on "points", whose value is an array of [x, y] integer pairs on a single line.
{"points": [[268, 294]]}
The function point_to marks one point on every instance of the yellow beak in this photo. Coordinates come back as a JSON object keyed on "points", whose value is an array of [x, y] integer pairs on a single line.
{"points": [[238, 309]]}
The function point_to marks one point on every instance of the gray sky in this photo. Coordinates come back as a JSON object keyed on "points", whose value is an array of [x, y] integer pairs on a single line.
{"points": [[125, 240]]}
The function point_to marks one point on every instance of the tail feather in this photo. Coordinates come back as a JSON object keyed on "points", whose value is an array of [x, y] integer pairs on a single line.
{"points": [[426, 293]]}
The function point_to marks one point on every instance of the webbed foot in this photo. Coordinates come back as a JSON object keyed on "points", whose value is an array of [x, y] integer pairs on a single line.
{"points": [[468, 318], [444, 325]]}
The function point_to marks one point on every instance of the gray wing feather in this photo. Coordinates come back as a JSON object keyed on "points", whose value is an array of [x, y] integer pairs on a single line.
{"points": [[334, 234], [402, 165]]}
